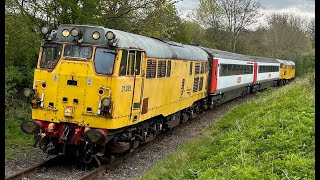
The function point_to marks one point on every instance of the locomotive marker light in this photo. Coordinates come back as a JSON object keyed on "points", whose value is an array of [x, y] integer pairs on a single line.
{"points": [[75, 32], [30, 127], [44, 30], [65, 33], [110, 35], [96, 35]]}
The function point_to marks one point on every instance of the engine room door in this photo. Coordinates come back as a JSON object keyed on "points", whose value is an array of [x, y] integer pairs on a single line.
{"points": [[136, 58]]}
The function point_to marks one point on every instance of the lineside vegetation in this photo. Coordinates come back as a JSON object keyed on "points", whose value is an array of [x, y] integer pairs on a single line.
{"points": [[270, 137]]}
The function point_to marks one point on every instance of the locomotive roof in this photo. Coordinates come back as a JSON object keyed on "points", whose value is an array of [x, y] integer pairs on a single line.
{"points": [[154, 48], [283, 61]]}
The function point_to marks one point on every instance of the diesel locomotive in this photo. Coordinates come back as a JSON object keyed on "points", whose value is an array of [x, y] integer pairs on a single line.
{"points": [[100, 92]]}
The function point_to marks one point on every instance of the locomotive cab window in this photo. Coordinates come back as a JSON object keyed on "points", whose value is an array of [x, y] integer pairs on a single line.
{"points": [[77, 52], [104, 61], [50, 56], [130, 63]]}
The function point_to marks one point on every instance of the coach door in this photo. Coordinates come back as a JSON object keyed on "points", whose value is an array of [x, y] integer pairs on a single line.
{"points": [[214, 76], [255, 72]]}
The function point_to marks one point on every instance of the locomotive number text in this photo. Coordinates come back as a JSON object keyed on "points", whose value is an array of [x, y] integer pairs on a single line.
{"points": [[126, 88]]}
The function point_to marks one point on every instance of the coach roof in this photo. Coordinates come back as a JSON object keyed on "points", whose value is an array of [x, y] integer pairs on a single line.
{"points": [[264, 59], [155, 48], [226, 55]]}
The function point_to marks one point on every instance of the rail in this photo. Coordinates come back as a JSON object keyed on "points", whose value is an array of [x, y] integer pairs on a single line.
{"points": [[33, 169]]}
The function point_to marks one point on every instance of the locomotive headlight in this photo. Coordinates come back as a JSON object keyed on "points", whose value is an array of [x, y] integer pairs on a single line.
{"points": [[94, 136], [74, 32], [106, 101], [30, 127], [110, 35], [44, 30], [65, 33], [28, 92], [96, 35]]}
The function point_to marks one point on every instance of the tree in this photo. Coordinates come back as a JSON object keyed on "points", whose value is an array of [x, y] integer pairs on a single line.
{"points": [[239, 14], [285, 36], [311, 31], [208, 14], [161, 21]]}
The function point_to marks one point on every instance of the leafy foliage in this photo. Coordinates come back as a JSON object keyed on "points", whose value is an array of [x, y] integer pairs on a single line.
{"points": [[272, 136]]}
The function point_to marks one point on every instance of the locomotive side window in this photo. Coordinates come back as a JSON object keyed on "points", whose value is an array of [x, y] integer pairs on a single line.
{"points": [[50, 55], [191, 67], [104, 61], [123, 64], [138, 62], [197, 68], [129, 62]]}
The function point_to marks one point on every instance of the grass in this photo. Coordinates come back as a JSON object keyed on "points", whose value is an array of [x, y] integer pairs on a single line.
{"points": [[271, 137], [17, 143]]}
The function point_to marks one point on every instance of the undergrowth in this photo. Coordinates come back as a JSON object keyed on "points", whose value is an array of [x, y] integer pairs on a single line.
{"points": [[17, 143], [271, 137]]}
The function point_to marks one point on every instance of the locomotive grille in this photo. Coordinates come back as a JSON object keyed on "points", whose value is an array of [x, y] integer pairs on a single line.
{"points": [[151, 69], [182, 87], [161, 68], [196, 84], [197, 68], [201, 84]]}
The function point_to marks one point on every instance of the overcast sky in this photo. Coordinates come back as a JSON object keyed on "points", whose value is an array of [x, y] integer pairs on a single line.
{"points": [[305, 8]]}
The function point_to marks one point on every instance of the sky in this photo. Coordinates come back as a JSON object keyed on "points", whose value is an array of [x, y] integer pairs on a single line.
{"points": [[304, 8]]}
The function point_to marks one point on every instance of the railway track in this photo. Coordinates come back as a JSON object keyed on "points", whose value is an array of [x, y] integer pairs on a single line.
{"points": [[94, 173], [103, 168], [35, 168]]}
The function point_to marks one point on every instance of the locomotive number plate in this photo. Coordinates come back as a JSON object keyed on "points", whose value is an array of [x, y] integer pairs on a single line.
{"points": [[126, 88]]}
